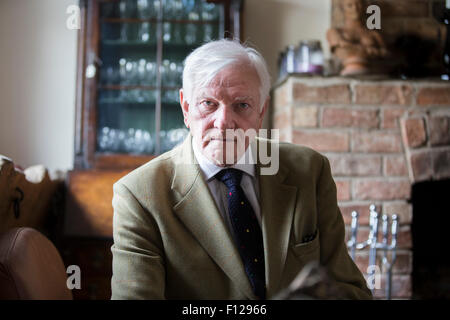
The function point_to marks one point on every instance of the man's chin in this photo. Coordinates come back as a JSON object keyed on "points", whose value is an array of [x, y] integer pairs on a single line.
{"points": [[221, 157]]}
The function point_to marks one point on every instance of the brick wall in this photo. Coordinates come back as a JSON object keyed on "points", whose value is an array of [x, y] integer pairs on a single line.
{"points": [[380, 137]]}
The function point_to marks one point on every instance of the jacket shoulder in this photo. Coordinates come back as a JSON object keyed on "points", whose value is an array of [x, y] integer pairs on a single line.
{"points": [[154, 172]]}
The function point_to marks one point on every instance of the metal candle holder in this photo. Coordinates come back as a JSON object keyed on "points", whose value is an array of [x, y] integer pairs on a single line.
{"points": [[374, 245]]}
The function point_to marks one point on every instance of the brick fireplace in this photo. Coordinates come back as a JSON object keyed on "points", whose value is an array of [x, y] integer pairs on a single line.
{"points": [[381, 137]]}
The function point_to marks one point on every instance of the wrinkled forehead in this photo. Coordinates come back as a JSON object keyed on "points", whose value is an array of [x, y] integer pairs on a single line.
{"points": [[235, 75]]}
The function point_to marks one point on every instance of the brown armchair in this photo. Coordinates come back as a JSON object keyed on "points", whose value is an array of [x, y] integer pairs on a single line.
{"points": [[31, 267]]}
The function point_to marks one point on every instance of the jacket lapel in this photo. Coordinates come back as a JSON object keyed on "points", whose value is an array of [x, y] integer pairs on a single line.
{"points": [[277, 208], [198, 211]]}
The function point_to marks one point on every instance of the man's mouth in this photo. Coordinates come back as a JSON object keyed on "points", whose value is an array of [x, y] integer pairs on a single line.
{"points": [[223, 139]]}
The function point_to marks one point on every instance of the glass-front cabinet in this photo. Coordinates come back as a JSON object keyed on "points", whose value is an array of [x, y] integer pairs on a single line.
{"points": [[130, 64]]}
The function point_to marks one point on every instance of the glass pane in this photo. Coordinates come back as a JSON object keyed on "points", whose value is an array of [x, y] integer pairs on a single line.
{"points": [[173, 130], [127, 87], [126, 121], [130, 9]]}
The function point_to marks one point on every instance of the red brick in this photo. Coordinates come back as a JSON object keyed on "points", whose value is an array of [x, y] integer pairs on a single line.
{"points": [[282, 120], [376, 141], [439, 130], [401, 287], [413, 130], [402, 264], [305, 116], [285, 135], [345, 117], [339, 93], [421, 165], [376, 189], [383, 94], [282, 96], [433, 96], [322, 141], [355, 165], [441, 163], [363, 212], [391, 117], [403, 210], [395, 166], [343, 189], [404, 237]]}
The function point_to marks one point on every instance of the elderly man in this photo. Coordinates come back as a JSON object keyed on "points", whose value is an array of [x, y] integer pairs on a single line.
{"points": [[202, 222]]}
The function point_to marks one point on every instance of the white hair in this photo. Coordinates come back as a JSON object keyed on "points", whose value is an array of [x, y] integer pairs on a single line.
{"points": [[203, 64]]}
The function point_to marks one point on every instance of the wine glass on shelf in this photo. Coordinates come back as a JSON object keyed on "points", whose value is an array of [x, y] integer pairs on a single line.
{"points": [[177, 33], [144, 32], [127, 9], [210, 11], [144, 9], [167, 32], [141, 72], [150, 73], [124, 32]]}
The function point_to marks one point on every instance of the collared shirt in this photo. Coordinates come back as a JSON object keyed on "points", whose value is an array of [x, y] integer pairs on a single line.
{"points": [[249, 183]]}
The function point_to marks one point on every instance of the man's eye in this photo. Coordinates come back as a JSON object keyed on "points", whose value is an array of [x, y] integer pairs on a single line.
{"points": [[243, 105], [208, 103]]}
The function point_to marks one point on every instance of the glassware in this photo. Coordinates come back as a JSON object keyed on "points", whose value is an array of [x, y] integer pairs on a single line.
{"points": [[209, 11], [127, 9], [109, 139], [131, 72], [123, 71], [144, 32], [309, 57], [188, 6], [124, 32], [141, 72], [167, 35], [145, 9], [208, 32], [290, 59], [177, 9], [156, 8], [168, 9], [177, 33], [179, 77], [150, 73], [171, 138], [192, 31], [191, 34]]}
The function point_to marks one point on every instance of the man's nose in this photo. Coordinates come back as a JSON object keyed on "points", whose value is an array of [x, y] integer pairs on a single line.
{"points": [[224, 118]]}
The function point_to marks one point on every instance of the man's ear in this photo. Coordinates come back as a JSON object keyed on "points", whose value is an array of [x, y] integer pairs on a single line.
{"points": [[184, 108]]}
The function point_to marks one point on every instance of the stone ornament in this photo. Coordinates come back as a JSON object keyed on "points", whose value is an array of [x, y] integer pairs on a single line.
{"points": [[354, 44]]}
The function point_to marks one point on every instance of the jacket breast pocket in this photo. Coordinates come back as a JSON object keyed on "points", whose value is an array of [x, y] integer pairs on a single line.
{"points": [[309, 250]]}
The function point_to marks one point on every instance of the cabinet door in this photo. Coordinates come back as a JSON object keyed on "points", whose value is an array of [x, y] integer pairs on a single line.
{"points": [[133, 72]]}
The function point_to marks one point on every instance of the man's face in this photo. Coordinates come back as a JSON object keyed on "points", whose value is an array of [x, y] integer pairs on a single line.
{"points": [[230, 102]]}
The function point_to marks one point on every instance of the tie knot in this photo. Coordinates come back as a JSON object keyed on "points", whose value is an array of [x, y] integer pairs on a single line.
{"points": [[230, 177]]}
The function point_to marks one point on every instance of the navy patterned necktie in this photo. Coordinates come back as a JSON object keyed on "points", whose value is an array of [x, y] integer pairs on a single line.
{"points": [[248, 235]]}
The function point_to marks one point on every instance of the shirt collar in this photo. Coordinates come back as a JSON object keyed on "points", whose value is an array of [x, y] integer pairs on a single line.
{"points": [[209, 169]]}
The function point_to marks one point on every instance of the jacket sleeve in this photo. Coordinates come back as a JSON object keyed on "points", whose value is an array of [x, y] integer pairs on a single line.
{"points": [[138, 261], [333, 250]]}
